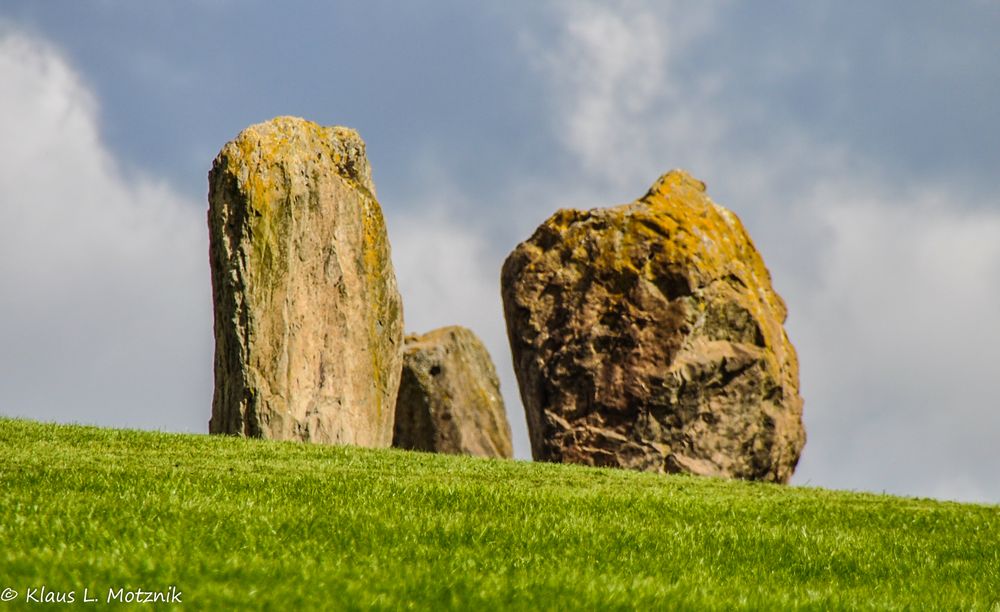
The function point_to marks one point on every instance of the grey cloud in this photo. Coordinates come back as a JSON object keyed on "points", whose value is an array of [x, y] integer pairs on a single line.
{"points": [[106, 317], [853, 142], [887, 270]]}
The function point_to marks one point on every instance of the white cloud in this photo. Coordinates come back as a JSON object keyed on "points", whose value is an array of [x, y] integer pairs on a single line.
{"points": [[105, 316], [448, 276], [108, 319], [892, 292], [898, 341], [609, 75]]}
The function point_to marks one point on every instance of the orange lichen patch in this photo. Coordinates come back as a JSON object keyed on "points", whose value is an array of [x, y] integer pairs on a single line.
{"points": [[676, 229], [265, 158], [288, 138], [376, 262], [300, 251], [647, 335]]}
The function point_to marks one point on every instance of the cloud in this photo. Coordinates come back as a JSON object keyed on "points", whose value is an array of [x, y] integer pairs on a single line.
{"points": [[891, 289], [609, 75], [106, 309], [449, 275], [108, 316], [897, 341], [890, 274]]}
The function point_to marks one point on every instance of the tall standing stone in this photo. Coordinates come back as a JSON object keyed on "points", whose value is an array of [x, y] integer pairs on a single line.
{"points": [[648, 336], [449, 397], [308, 319]]}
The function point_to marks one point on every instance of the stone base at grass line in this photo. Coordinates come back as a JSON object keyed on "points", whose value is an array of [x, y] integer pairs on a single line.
{"points": [[308, 319], [648, 336]]}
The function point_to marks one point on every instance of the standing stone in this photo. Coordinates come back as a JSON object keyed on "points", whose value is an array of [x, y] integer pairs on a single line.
{"points": [[647, 336], [308, 319], [449, 397]]}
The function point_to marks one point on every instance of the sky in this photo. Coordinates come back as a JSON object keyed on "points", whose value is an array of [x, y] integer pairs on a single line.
{"points": [[859, 143]]}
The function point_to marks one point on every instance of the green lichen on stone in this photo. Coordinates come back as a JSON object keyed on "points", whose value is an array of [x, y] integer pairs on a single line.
{"points": [[307, 305]]}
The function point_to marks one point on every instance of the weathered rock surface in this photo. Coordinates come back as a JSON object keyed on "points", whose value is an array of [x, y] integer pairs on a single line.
{"points": [[449, 397], [308, 319], [648, 336]]}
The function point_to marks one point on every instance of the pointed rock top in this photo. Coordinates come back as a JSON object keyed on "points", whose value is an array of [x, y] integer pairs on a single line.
{"points": [[674, 182], [648, 335]]}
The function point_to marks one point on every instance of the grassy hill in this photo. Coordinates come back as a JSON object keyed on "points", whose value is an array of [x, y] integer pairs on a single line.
{"points": [[233, 523]]}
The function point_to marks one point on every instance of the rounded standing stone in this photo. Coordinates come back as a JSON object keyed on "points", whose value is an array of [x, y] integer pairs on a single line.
{"points": [[449, 397], [647, 336]]}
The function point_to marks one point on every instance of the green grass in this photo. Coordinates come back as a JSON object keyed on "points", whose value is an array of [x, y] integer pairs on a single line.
{"points": [[238, 523]]}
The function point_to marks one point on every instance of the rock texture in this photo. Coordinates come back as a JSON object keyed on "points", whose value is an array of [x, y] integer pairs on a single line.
{"points": [[648, 336], [449, 397], [308, 319]]}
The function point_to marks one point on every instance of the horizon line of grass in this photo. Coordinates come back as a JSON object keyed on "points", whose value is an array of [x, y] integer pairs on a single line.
{"points": [[261, 524]]}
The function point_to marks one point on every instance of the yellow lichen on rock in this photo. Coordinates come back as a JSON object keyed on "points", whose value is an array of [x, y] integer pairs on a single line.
{"points": [[626, 323], [308, 316]]}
